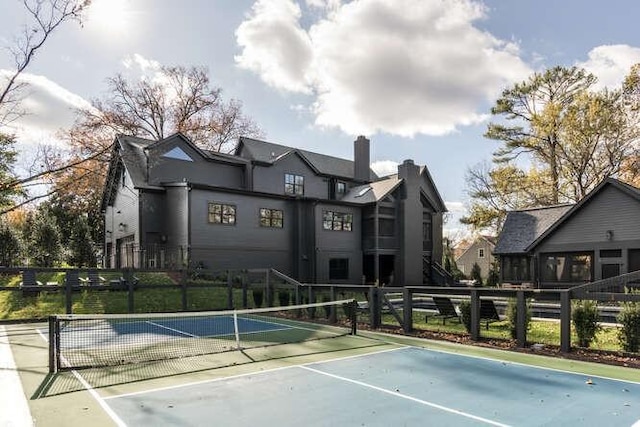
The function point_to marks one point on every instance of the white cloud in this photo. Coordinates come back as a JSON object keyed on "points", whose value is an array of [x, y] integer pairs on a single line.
{"points": [[611, 63], [131, 62], [416, 67], [385, 167], [275, 46], [49, 108], [456, 207]]}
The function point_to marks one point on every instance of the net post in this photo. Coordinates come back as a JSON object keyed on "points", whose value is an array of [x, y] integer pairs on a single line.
{"points": [[236, 330], [53, 368]]}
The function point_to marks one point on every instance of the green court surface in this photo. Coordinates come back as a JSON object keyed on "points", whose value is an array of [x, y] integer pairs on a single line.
{"points": [[369, 379]]}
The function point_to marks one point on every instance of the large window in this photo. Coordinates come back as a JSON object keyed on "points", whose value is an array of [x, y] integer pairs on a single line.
{"points": [[271, 218], [337, 221], [567, 267], [293, 184], [516, 269], [339, 269], [341, 189], [221, 213]]}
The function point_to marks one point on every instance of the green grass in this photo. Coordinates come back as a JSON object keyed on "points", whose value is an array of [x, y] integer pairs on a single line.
{"points": [[540, 331]]}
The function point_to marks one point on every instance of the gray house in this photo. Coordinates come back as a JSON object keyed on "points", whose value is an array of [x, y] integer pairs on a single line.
{"points": [[561, 246], [317, 218]]}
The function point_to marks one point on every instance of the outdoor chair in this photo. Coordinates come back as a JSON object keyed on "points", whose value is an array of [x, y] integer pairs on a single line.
{"points": [[488, 312], [446, 309], [93, 279]]}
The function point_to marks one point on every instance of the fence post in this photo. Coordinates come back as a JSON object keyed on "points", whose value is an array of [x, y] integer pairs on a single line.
{"points": [[333, 315], [407, 311], [71, 281], [245, 302], [53, 339], [521, 319], [183, 288], [475, 315], [128, 279], [565, 321], [229, 290], [269, 289], [374, 307]]}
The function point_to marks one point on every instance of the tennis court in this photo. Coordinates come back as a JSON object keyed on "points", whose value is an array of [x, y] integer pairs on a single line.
{"points": [[241, 369]]}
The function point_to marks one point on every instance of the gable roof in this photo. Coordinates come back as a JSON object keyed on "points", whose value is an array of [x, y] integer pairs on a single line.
{"points": [[463, 249], [269, 153], [522, 228], [372, 192], [625, 188]]}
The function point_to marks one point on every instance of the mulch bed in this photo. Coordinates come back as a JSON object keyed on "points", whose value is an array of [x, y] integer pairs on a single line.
{"points": [[631, 360]]}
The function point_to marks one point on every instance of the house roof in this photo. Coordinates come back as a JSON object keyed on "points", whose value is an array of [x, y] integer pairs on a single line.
{"points": [[625, 188], [270, 153], [522, 228], [372, 192]]}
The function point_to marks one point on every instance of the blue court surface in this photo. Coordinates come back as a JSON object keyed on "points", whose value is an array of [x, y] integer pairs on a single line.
{"points": [[409, 386], [135, 331]]}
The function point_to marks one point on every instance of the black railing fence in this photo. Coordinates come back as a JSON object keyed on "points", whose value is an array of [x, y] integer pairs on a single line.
{"points": [[38, 293]]}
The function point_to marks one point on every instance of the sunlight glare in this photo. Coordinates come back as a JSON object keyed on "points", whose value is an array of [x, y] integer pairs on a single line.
{"points": [[109, 16]]}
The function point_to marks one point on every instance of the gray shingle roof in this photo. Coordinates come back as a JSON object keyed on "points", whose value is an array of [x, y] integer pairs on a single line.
{"points": [[269, 152], [522, 228], [372, 192]]}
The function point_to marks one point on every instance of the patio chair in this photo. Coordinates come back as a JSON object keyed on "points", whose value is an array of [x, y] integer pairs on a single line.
{"points": [[488, 312], [93, 279], [30, 285], [446, 309]]}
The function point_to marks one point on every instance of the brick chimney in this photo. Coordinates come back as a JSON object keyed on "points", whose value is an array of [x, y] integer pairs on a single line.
{"points": [[361, 159]]}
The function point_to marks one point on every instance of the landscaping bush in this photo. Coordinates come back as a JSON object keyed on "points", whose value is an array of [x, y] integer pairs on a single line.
{"points": [[512, 317], [465, 314], [476, 274], [584, 315], [629, 333], [284, 296], [258, 297]]}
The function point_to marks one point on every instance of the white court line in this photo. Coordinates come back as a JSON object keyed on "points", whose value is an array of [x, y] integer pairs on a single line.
{"points": [[12, 396], [266, 371], [171, 329], [404, 396], [116, 419]]}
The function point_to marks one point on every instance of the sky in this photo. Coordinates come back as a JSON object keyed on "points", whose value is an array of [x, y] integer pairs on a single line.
{"points": [[417, 77]]}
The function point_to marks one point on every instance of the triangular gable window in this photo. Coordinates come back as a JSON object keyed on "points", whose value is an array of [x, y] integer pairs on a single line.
{"points": [[177, 153]]}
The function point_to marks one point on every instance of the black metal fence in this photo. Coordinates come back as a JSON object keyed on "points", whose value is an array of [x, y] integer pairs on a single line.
{"points": [[37, 293]]}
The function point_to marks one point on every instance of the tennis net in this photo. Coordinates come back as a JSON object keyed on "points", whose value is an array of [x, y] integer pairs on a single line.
{"points": [[89, 341]]}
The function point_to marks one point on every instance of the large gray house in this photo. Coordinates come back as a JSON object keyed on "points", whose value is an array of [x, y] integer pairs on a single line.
{"points": [[317, 218], [561, 246]]}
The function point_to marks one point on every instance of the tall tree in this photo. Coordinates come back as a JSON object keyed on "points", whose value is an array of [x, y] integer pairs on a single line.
{"points": [[537, 108], [10, 245], [44, 241], [8, 157], [178, 99], [573, 137]]}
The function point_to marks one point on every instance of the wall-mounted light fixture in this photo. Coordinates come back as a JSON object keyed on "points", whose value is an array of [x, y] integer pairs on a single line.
{"points": [[609, 235], [122, 226]]}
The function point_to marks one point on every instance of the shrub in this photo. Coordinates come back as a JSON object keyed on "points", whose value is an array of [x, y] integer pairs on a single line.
{"points": [[629, 333], [284, 297], [465, 314], [493, 277], [258, 296], [512, 317], [584, 315], [476, 274]]}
